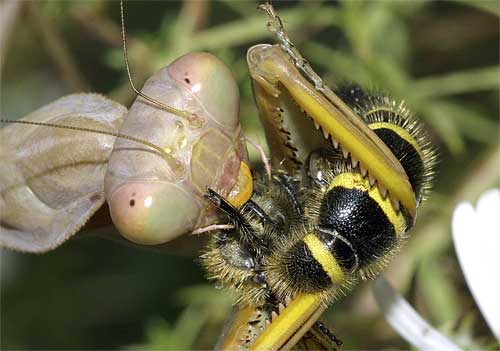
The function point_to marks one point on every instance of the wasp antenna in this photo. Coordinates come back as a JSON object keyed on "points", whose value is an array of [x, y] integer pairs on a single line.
{"points": [[181, 113], [172, 161]]}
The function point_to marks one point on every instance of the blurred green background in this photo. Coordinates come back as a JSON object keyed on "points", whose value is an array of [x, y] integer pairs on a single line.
{"points": [[441, 57]]}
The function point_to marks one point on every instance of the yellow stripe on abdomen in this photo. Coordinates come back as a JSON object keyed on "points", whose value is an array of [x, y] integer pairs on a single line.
{"points": [[403, 134], [324, 257], [356, 181]]}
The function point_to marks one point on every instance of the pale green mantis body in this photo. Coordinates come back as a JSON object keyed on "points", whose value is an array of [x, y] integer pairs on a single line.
{"points": [[205, 150], [197, 153]]}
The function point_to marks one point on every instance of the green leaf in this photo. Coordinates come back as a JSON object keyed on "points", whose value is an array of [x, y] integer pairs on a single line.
{"points": [[489, 6], [469, 121], [344, 66], [440, 116], [474, 124], [388, 74], [438, 292], [252, 29], [458, 82]]}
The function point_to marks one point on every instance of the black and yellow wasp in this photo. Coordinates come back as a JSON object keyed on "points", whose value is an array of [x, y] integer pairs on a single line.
{"points": [[349, 170], [323, 218]]}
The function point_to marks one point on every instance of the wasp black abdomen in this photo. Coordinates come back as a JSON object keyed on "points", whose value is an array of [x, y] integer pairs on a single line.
{"points": [[304, 269], [405, 148], [352, 94], [308, 265], [359, 219], [404, 135]]}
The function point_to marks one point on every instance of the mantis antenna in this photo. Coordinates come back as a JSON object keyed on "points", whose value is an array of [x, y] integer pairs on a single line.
{"points": [[172, 161], [191, 117]]}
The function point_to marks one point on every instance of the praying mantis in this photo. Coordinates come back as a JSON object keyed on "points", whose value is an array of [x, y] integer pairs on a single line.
{"points": [[203, 147]]}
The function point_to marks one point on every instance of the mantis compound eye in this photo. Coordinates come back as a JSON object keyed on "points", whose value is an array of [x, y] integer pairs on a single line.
{"points": [[151, 213], [212, 84]]}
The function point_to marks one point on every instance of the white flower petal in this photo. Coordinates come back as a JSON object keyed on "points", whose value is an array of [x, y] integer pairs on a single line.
{"points": [[406, 321], [476, 235]]}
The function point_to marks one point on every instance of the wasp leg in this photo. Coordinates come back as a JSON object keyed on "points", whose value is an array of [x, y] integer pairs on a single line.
{"points": [[286, 184], [324, 330], [255, 209], [319, 338]]}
